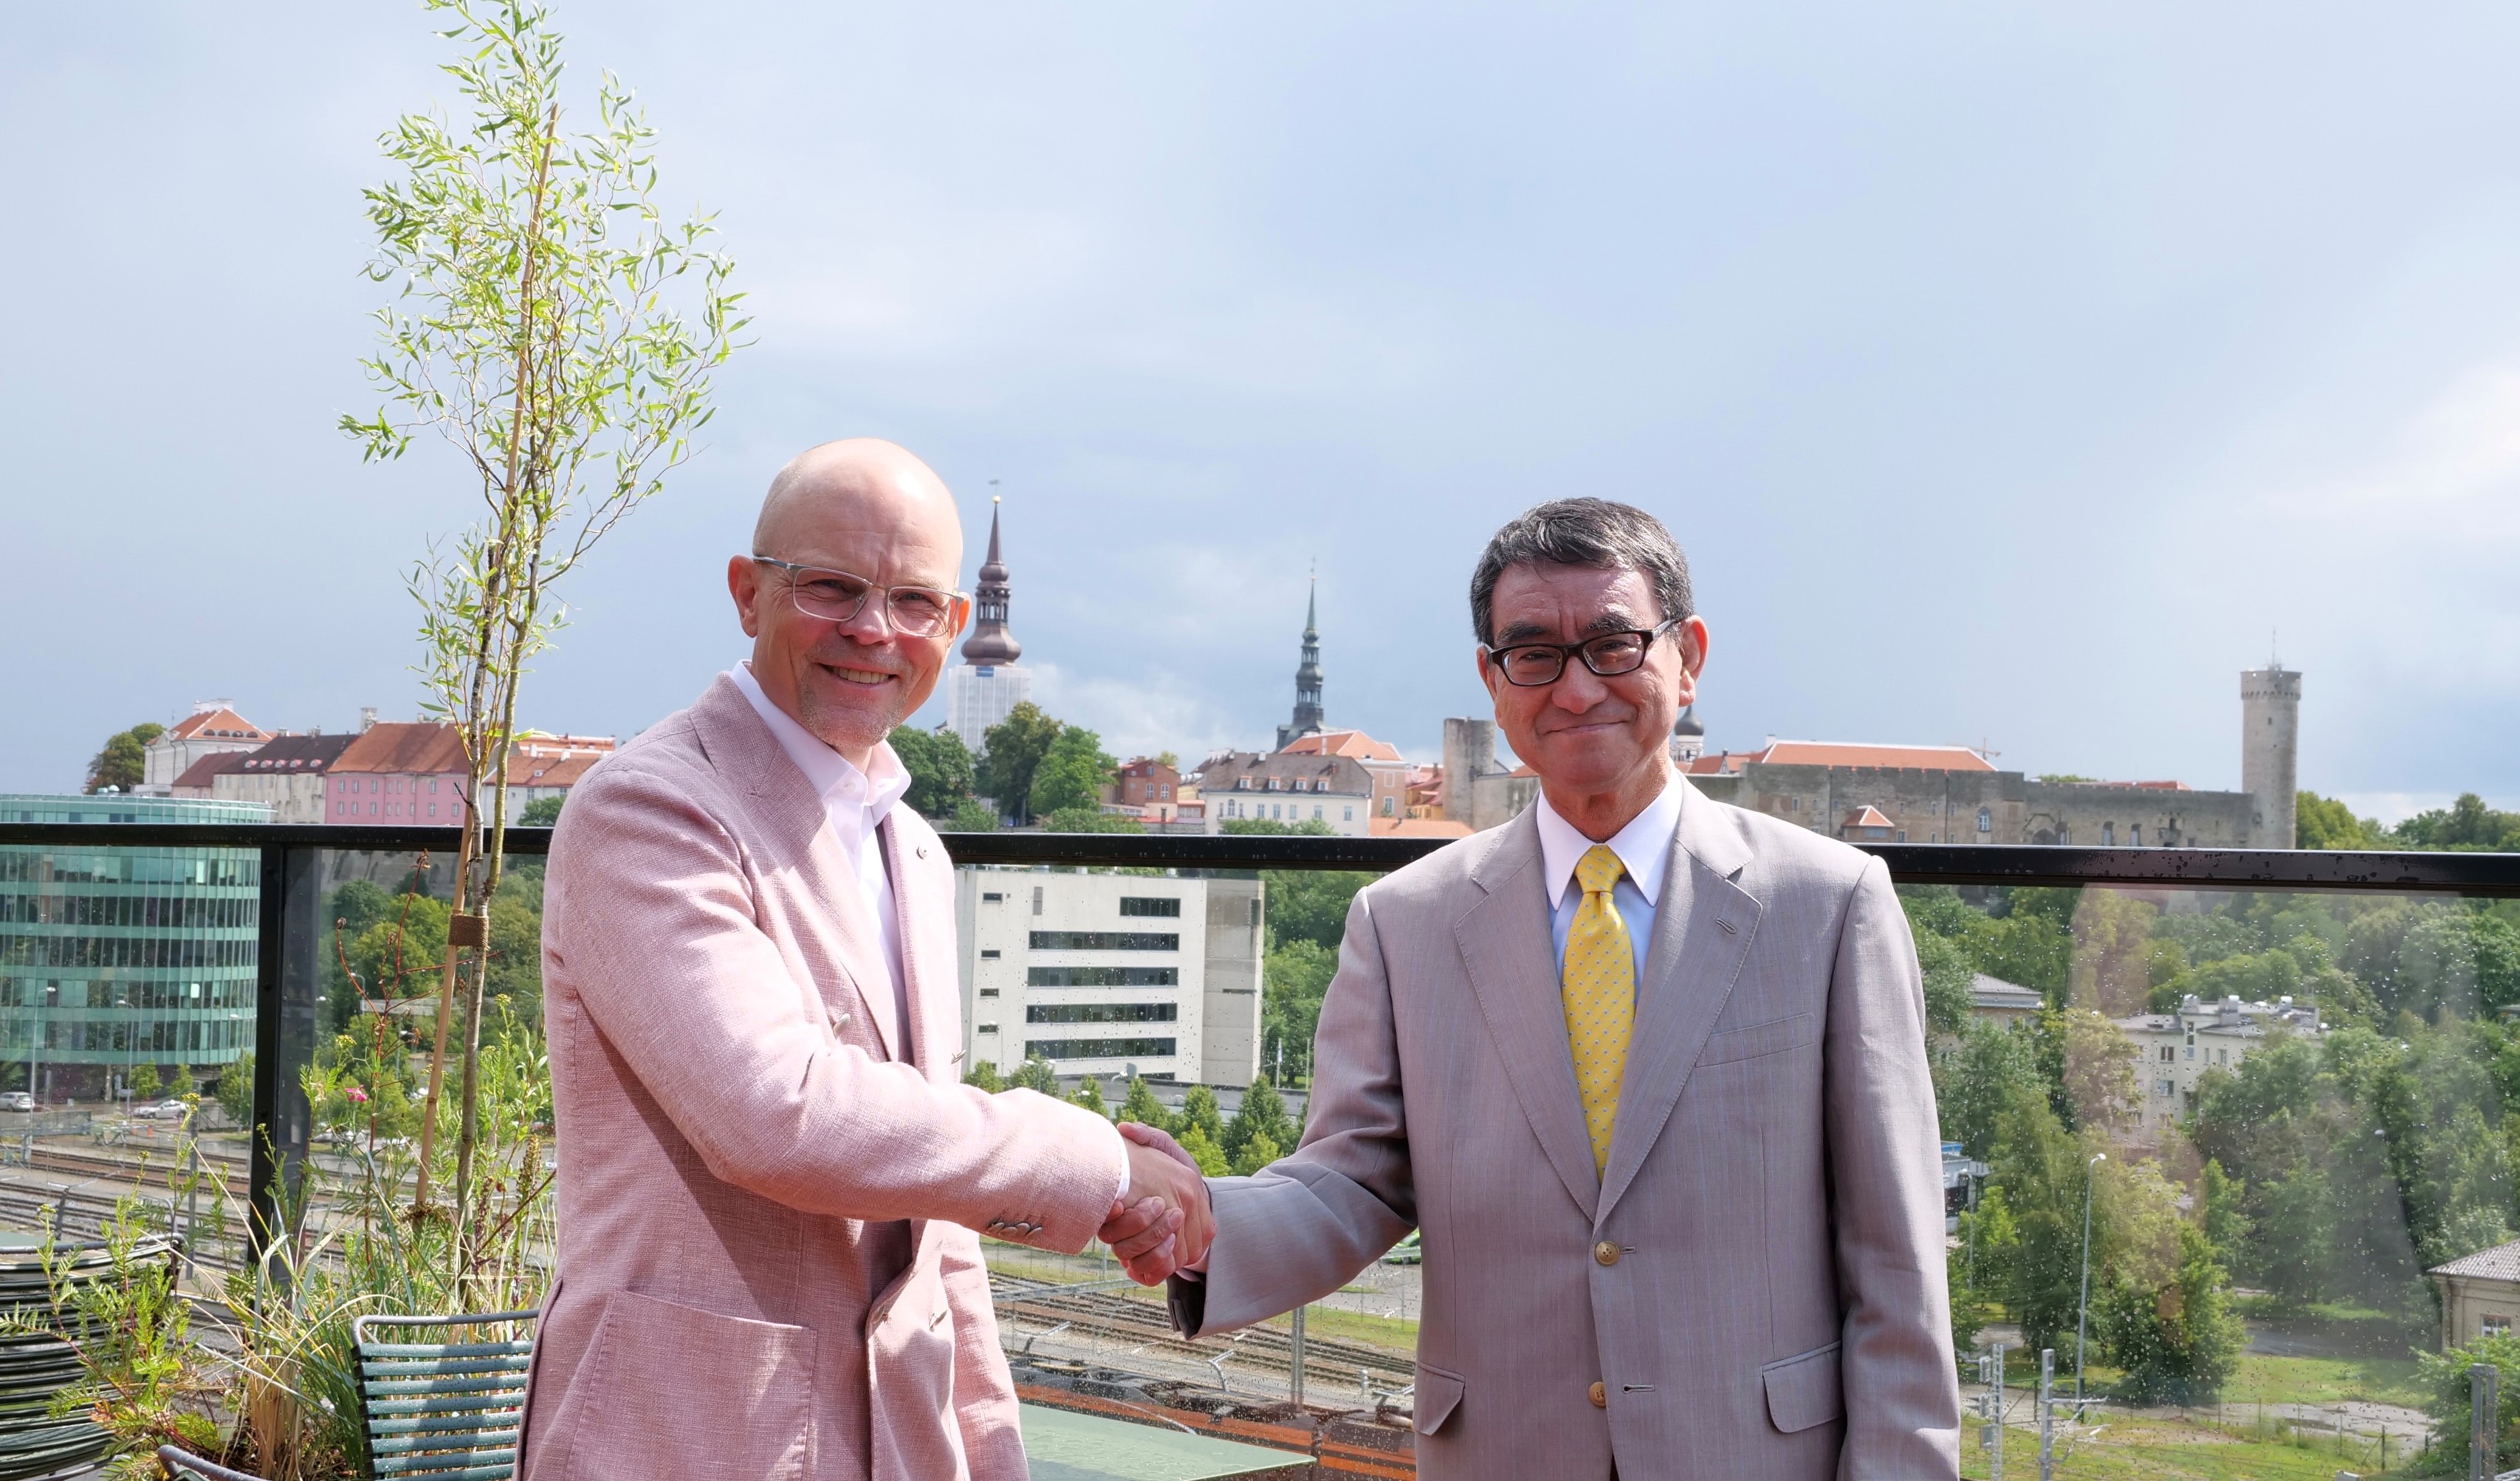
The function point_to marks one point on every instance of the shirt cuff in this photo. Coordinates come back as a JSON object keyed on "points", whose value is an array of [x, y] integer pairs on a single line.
{"points": [[1122, 1196]]}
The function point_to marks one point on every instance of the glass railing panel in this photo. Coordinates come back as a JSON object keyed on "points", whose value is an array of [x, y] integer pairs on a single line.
{"points": [[1185, 998], [2288, 1115], [127, 1022]]}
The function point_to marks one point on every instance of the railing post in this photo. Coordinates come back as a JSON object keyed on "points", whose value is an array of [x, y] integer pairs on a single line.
{"points": [[263, 1176], [284, 1030], [1295, 1361], [2480, 1426], [2046, 1414]]}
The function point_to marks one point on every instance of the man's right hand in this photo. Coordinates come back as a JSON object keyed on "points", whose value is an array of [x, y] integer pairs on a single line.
{"points": [[1167, 1222]]}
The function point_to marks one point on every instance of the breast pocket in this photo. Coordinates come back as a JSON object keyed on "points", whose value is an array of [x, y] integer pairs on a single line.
{"points": [[1760, 1040]]}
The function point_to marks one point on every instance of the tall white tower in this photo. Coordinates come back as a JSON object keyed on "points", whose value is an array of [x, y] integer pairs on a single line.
{"points": [[2269, 739], [989, 682]]}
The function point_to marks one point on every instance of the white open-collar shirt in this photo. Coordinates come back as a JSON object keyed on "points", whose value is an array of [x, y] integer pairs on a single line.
{"points": [[1644, 848], [855, 803]]}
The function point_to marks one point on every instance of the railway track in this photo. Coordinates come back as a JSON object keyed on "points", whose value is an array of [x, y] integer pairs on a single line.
{"points": [[1144, 1333]]}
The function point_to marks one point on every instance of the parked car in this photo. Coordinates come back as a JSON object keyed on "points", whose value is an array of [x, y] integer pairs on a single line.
{"points": [[163, 1110], [17, 1101]]}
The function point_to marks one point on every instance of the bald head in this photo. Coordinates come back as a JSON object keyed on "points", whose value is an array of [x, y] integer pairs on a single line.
{"points": [[854, 480], [866, 507]]}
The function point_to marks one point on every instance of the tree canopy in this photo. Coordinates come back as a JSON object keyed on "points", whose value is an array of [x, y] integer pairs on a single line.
{"points": [[1011, 750], [1072, 774], [121, 763], [940, 770]]}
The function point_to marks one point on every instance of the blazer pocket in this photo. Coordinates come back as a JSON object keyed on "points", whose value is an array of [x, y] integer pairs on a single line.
{"points": [[1773, 1037], [1804, 1390], [1437, 1395], [677, 1391]]}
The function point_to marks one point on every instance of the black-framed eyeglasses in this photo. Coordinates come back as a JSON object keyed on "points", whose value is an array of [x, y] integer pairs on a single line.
{"points": [[1530, 665], [913, 612]]}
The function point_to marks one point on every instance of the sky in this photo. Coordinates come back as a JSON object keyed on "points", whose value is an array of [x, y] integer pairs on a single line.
{"points": [[2013, 375]]}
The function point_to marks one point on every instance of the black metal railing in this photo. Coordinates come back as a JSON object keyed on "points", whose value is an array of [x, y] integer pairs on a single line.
{"points": [[289, 854]]}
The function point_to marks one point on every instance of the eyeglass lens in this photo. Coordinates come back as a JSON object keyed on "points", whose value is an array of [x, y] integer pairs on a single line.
{"points": [[836, 596], [1609, 654]]}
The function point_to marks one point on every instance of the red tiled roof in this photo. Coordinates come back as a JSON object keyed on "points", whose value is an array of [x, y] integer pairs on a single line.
{"points": [[1931, 758], [1355, 744], [429, 749], [197, 777], [219, 723]]}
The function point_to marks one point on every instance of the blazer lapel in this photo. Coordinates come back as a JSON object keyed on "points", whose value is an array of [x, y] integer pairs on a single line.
{"points": [[1702, 930], [1505, 947], [792, 818]]}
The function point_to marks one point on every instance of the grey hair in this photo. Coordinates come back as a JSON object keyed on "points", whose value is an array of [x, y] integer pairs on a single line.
{"points": [[1592, 532]]}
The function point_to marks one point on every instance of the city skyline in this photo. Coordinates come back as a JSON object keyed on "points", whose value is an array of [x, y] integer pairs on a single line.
{"points": [[2014, 391]]}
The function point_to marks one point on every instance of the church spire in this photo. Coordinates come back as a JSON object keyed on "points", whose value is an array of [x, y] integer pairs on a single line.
{"points": [[990, 643], [1307, 718]]}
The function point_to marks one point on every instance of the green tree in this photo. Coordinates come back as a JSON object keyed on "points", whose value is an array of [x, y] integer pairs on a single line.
{"points": [[2326, 822], [2220, 1207], [2451, 1400], [1310, 904], [144, 1083], [542, 812], [1948, 975], [1035, 1074], [547, 319], [1141, 1106], [2177, 1341], [1256, 1154], [2041, 1168], [1090, 820], [1199, 1113], [235, 1092], [972, 816], [1010, 753], [1980, 1267], [1089, 1096], [2466, 824], [121, 763], [1262, 1113], [1976, 1081], [1294, 978], [1309, 828], [1203, 1150], [939, 766], [984, 1075], [1071, 773]]}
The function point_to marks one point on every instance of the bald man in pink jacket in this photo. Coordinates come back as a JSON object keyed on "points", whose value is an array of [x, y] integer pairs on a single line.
{"points": [[770, 1172]]}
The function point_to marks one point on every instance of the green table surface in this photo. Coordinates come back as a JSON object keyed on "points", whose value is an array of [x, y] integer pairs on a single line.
{"points": [[1065, 1446]]}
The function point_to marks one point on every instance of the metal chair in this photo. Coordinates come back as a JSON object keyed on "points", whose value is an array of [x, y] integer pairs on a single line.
{"points": [[184, 1465], [36, 1365], [443, 1411]]}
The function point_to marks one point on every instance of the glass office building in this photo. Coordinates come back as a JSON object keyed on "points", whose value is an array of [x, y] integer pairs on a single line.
{"points": [[114, 958]]}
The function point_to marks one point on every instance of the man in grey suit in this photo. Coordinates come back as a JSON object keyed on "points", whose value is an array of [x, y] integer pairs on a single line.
{"points": [[1647, 1072]]}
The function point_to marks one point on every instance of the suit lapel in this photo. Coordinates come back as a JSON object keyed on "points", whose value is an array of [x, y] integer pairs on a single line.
{"points": [[1702, 930], [1506, 946], [839, 937]]}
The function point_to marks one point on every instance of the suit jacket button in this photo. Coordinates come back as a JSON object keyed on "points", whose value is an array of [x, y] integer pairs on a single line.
{"points": [[1606, 1253], [1601, 1397]]}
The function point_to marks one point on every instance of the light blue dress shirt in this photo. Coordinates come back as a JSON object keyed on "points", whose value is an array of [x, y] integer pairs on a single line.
{"points": [[1644, 848]]}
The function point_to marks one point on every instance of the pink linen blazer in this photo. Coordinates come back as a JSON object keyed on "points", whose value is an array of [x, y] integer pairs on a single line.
{"points": [[1755, 1285], [768, 1188]]}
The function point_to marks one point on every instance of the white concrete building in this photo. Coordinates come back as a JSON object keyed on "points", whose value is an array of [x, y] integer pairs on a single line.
{"points": [[1111, 974], [2173, 1050]]}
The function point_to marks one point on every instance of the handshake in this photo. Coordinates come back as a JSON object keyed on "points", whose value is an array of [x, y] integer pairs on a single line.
{"points": [[1165, 1222]]}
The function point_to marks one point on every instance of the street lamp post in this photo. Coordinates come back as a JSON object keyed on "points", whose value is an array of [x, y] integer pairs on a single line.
{"points": [[2083, 1307]]}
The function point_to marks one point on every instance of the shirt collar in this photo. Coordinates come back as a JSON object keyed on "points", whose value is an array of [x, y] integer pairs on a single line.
{"points": [[1643, 846], [827, 771]]}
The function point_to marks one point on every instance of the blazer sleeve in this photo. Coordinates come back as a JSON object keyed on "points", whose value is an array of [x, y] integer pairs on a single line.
{"points": [[653, 930], [1885, 1167], [985, 1391], [1302, 1226]]}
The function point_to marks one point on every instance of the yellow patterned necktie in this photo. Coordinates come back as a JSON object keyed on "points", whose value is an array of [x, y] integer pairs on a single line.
{"points": [[1601, 990]]}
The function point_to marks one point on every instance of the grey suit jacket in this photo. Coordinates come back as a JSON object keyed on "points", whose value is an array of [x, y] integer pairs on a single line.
{"points": [[1755, 1283]]}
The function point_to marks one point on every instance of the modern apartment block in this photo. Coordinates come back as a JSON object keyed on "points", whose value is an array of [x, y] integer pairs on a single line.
{"points": [[1111, 974], [113, 957]]}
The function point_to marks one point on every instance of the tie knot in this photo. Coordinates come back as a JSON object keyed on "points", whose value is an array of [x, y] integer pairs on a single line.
{"points": [[1598, 870]]}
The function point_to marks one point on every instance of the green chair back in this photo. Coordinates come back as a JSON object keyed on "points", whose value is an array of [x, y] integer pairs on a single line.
{"points": [[443, 1411], [36, 1366]]}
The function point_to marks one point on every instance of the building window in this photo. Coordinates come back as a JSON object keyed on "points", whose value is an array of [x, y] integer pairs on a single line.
{"points": [[1103, 1013], [1317, 809], [1105, 941], [1985, 820], [1102, 976], [990, 955], [988, 1028], [1099, 1049], [991, 898], [1347, 815], [2494, 1324], [1036, 899], [988, 992], [1151, 905], [2134, 835], [2108, 835]]}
